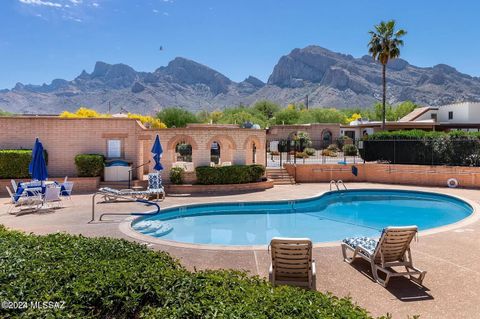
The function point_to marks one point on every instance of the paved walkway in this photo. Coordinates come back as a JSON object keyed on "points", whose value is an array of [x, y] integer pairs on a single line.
{"points": [[451, 258]]}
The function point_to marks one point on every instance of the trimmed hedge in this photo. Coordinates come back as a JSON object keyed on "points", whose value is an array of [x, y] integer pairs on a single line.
{"points": [[235, 174], [423, 148], [89, 165], [112, 278], [14, 163]]}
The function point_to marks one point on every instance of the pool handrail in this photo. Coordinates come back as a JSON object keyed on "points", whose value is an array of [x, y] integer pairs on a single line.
{"points": [[336, 183], [124, 214]]}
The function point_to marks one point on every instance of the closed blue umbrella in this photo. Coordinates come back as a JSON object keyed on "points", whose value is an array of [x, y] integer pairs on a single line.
{"points": [[30, 166], [157, 154], [38, 166]]}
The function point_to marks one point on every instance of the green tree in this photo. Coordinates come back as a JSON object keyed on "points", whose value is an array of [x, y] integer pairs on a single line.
{"points": [[329, 115], [5, 113], [267, 108], [403, 109], [384, 45], [379, 111], [289, 115], [176, 117], [241, 114]]}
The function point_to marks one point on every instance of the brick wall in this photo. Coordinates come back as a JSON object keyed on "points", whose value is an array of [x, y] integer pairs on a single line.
{"points": [[468, 177], [235, 145], [63, 138]]}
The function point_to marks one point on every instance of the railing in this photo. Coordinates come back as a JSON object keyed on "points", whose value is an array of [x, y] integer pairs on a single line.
{"points": [[415, 151], [132, 169]]}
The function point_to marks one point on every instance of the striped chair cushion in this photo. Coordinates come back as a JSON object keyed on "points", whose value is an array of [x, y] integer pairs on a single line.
{"points": [[366, 243]]}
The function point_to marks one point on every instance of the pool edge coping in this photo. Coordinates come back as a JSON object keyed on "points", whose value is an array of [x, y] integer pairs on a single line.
{"points": [[126, 227]]}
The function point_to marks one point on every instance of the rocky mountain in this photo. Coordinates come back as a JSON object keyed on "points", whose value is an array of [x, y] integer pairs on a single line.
{"points": [[328, 78]]}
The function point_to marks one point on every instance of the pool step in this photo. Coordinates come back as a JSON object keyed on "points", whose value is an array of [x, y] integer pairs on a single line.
{"points": [[279, 176]]}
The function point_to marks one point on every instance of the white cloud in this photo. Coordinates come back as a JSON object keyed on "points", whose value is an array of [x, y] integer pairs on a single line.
{"points": [[155, 11], [166, 14], [73, 10], [42, 3]]}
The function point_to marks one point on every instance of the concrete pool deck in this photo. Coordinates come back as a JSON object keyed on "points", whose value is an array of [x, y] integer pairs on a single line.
{"points": [[451, 257]]}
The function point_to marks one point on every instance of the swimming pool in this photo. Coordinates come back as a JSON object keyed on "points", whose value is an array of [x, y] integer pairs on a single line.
{"points": [[329, 217]]}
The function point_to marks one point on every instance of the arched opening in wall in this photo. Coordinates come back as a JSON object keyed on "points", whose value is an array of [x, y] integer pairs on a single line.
{"points": [[326, 138], [215, 153], [183, 156], [254, 153]]}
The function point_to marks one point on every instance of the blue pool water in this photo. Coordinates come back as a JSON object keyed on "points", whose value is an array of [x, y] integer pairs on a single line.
{"points": [[330, 217]]}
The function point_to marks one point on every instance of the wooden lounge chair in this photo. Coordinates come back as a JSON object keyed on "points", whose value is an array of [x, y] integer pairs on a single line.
{"points": [[292, 262], [391, 250]]}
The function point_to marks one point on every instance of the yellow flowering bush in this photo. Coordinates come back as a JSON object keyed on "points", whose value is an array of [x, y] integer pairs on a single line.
{"points": [[83, 112], [354, 117], [148, 121]]}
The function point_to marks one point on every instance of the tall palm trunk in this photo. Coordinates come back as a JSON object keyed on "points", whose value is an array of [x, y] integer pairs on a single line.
{"points": [[384, 75]]}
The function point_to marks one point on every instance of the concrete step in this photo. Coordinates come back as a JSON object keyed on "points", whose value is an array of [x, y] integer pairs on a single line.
{"points": [[280, 176]]}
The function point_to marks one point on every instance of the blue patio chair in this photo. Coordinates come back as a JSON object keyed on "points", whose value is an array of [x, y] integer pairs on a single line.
{"points": [[155, 188]]}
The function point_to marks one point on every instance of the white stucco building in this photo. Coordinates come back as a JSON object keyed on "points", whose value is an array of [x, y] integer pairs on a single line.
{"points": [[458, 116]]}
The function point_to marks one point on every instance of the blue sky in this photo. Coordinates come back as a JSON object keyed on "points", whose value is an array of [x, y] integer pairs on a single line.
{"points": [[45, 39]]}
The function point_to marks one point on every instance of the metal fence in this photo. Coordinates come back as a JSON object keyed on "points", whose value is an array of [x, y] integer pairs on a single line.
{"points": [[439, 151]]}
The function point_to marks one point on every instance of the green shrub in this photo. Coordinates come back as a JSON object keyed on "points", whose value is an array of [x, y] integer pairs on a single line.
{"points": [[235, 174], [327, 152], [301, 155], [14, 163], [350, 150], [333, 148], [309, 151], [341, 140], [89, 165], [176, 175], [113, 278]]}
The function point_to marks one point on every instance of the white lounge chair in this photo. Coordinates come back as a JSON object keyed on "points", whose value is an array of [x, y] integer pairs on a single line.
{"points": [[24, 201], [110, 195], [391, 250], [14, 185], [292, 262]]}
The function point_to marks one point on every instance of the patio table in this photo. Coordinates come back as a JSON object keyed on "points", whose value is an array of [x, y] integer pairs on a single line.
{"points": [[31, 189]]}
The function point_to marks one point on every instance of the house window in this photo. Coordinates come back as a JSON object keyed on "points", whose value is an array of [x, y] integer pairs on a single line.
{"points": [[114, 148], [433, 116], [450, 115], [350, 134]]}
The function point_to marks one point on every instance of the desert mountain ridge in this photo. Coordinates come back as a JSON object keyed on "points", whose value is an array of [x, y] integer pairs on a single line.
{"points": [[329, 79]]}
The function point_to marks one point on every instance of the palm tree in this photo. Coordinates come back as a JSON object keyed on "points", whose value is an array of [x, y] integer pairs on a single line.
{"points": [[385, 45]]}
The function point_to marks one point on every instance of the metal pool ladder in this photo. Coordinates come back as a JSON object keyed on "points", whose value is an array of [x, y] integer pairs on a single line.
{"points": [[337, 184]]}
